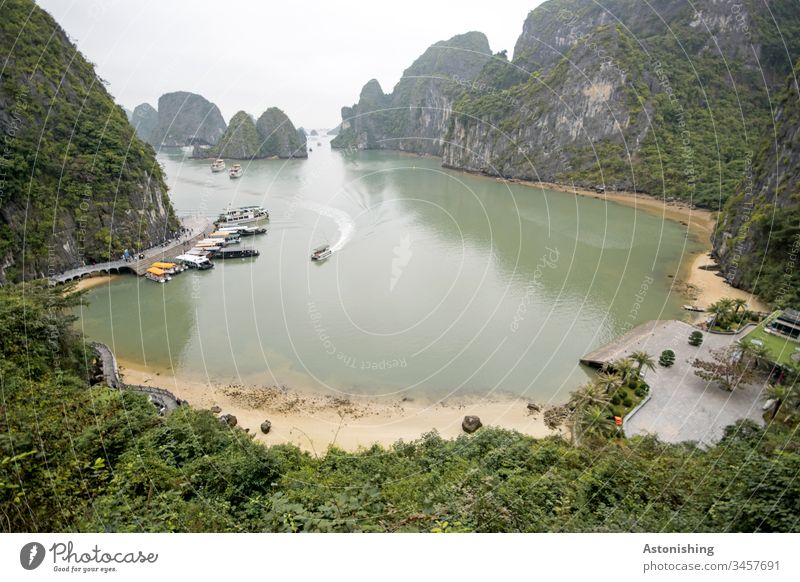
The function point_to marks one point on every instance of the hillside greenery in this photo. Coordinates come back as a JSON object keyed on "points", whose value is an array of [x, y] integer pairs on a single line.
{"points": [[71, 160], [81, 458]]}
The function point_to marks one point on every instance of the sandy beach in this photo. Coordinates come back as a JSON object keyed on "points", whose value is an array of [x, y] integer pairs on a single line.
{"points": [[314, 422], [91, 282]]}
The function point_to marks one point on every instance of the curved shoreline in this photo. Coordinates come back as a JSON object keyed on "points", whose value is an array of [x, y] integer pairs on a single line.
{"points": [[316, 422]]}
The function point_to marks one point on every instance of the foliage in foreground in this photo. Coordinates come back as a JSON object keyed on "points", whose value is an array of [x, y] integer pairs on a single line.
{"points": [[74, 458]]}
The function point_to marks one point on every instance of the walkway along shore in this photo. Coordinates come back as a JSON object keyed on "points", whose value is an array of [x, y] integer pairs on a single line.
{"points": [[164, 400], [196, 227]]}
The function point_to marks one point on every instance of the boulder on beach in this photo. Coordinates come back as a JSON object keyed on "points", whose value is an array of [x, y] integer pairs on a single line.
{"points": [[216, 409], [470, 424], [266, 426], [229, 419]]}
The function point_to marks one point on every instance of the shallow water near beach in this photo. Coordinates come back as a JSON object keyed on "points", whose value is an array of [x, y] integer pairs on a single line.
{"points": [[442, 284]]}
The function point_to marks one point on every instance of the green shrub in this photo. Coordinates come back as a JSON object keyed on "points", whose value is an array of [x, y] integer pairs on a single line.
{"points": [[667, 358], [695, 338]]}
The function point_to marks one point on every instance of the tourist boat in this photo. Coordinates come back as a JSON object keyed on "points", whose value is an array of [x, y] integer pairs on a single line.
{"points": [[236, 171], [218, 165], [693, 308], [169, 268], [156, 275], [243, 215], [321, 253], [235, 253], [195, 262], [244, 230], [230, 238], [211, 242]]}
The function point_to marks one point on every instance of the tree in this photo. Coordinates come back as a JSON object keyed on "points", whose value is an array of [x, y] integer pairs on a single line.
{"points": [[624, 367], [667, 358], [727, 368], [696, 339], [754, 353], [592, 423], [642, 360], [738, 304], [608, 381], [587, 395], [778, 394]]}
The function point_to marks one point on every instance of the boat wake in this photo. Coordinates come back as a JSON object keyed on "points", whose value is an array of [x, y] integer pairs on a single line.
{"points": [[344, 222]]}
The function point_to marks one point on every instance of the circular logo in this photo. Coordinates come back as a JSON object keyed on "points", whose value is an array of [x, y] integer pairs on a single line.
{"points": [[31, 555]]}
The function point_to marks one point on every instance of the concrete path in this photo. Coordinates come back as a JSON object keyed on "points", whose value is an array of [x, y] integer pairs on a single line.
{"points": [[682, 406], [162, 399], [197, 227]]}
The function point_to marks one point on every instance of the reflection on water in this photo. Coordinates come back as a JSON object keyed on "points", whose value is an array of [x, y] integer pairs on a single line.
{"points": [[442, 283]]}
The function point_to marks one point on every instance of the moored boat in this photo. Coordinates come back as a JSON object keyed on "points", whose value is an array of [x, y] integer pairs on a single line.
{"points": [[156, 275], [195, 261], [236, 171], [218, 165], [168, 268], [242, 230], [229, 238], [321, 253], [242, 215], [235, 253]]}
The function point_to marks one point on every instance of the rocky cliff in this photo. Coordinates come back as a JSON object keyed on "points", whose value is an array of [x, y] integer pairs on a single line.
{"points": [[414, 116], [279, 137], [757, 239], [144, 119], [188, 119], [77, 184], [664, 98], [240, 140]]}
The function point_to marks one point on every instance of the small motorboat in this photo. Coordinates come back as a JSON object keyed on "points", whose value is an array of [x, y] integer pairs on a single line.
{"points": [[218, 165], [236, 171], [321, 253]]}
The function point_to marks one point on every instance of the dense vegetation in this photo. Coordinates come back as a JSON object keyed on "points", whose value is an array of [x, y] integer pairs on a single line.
{"points": [[80, 458], [687, 106], [757, 238], [77, 184]]}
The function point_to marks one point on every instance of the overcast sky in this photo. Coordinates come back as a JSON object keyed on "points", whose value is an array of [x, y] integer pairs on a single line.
{"points": [[307, 57]]}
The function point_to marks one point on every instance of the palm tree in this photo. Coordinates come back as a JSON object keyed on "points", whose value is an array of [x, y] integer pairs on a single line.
{"points": [[779, 394], [623, 367], [592, 423], [643, 360], [755, 353], [590, 394], [608, 381], [738, 304], [721, 311]]}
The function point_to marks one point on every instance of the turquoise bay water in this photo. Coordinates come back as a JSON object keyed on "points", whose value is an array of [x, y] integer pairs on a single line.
{"points": [[442, 283]]}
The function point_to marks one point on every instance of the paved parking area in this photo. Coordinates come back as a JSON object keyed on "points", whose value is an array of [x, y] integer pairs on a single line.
{"points": [[683, 407]]}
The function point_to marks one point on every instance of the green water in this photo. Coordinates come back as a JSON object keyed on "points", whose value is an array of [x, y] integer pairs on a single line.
{"points": [[443, 283]]}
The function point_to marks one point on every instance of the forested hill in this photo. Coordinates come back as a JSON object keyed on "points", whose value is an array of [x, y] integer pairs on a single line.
{"points": [[77, 184], [757, 240], [666, 98]]}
